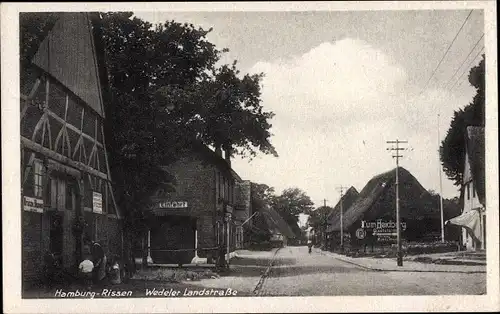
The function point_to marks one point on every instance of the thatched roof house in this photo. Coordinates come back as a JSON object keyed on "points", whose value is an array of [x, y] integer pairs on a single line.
{"points": [[377, 200], [347, 200]]}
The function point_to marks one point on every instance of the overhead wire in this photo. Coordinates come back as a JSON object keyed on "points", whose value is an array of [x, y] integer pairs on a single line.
{"points": [[463, 62], [465, 71], [446, 53]]}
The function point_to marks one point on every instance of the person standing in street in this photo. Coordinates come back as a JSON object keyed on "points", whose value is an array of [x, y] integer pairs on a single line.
{"points": [[99, 259], [86, 267]]}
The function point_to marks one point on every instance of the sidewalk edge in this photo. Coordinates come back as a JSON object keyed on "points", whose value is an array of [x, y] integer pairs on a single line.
{"points": [[403, 270]]}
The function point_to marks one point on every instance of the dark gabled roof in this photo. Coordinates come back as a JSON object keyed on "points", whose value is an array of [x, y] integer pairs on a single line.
{"points": [[347, 200], [68, 54], [209, 155], [476, 152]]}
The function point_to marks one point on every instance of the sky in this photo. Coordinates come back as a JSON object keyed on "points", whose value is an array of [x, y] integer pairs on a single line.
{"points": [[342, 83]]}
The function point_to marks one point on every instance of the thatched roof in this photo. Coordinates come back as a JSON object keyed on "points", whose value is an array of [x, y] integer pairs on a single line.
{"points": [[476, 153], [347, 200], [276, 223], [377, 199]]}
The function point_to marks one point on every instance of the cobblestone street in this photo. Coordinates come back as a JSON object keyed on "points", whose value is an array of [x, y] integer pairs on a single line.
{"points": [[297, 273]]}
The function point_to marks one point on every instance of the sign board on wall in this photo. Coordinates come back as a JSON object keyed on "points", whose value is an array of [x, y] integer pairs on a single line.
{"points": [[97, 202], [384, 231], [380, 224], [33, 204], [173, 204]]}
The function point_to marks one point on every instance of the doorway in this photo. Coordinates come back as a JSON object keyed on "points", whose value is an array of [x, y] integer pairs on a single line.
{"points": [[56, 236], [173, 240]]}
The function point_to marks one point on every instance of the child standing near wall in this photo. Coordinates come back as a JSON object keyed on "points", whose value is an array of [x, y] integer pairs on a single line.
{"points": [[86, 267]]}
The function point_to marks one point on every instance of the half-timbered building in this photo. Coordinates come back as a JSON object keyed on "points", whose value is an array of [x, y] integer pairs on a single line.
{"points": [[67, 196]]}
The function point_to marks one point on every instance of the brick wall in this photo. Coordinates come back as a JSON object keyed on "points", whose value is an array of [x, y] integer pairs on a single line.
{"points": [[197, 184]]}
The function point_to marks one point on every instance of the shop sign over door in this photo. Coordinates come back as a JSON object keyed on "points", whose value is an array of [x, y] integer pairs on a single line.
{"points": [[171, 205], [33, 204]]}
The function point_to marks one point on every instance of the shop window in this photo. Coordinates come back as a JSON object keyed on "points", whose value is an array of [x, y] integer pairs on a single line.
{"points": [[217, 232], [58, 193], [38, 179]]}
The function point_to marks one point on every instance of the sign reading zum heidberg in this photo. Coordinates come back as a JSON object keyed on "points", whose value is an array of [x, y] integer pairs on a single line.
{"points": [[178, 204], [33, 204], [381, 224]]}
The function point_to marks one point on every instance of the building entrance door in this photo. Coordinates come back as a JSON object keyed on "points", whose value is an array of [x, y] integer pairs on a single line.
{"points": [[173, 240], [56, 235]]}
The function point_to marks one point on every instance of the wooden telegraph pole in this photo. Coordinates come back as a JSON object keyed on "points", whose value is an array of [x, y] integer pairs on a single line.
{"points": [[398, 221], [440, 189], [341, 189]]}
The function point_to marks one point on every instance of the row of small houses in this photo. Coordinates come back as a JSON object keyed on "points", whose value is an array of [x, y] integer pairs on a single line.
{"points": [[67, 190], [369, 216]]}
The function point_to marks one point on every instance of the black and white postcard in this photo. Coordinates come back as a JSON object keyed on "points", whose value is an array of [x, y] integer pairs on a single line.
{"points": [[250, 157]]}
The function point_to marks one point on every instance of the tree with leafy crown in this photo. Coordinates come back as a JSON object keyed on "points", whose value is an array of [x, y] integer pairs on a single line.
{"points": [[452, 149], [165, 92]]}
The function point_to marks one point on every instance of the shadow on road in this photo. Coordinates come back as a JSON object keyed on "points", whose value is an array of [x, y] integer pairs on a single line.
{"points": [[242, 261], [244, 271], [298, 270]]}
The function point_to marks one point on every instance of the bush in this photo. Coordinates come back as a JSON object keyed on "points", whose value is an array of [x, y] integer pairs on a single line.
{"points": [[411, 248], [429, 248]]}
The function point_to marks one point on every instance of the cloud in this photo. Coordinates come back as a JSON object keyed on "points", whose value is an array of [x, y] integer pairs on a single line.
{"points": [[336, 106], [340, 77]]}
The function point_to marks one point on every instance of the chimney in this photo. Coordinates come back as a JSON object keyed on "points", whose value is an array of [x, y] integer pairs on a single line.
{"points": [[218, 151], [227, 155]]}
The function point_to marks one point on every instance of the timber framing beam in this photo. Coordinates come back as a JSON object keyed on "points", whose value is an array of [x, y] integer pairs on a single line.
{"points": [[73, 128], [60, 158]]}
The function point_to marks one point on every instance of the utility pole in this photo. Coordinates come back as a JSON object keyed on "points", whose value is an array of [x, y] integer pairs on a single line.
{"points": [[440, 189], [398, 220], [322, 224], [341, 189]]}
